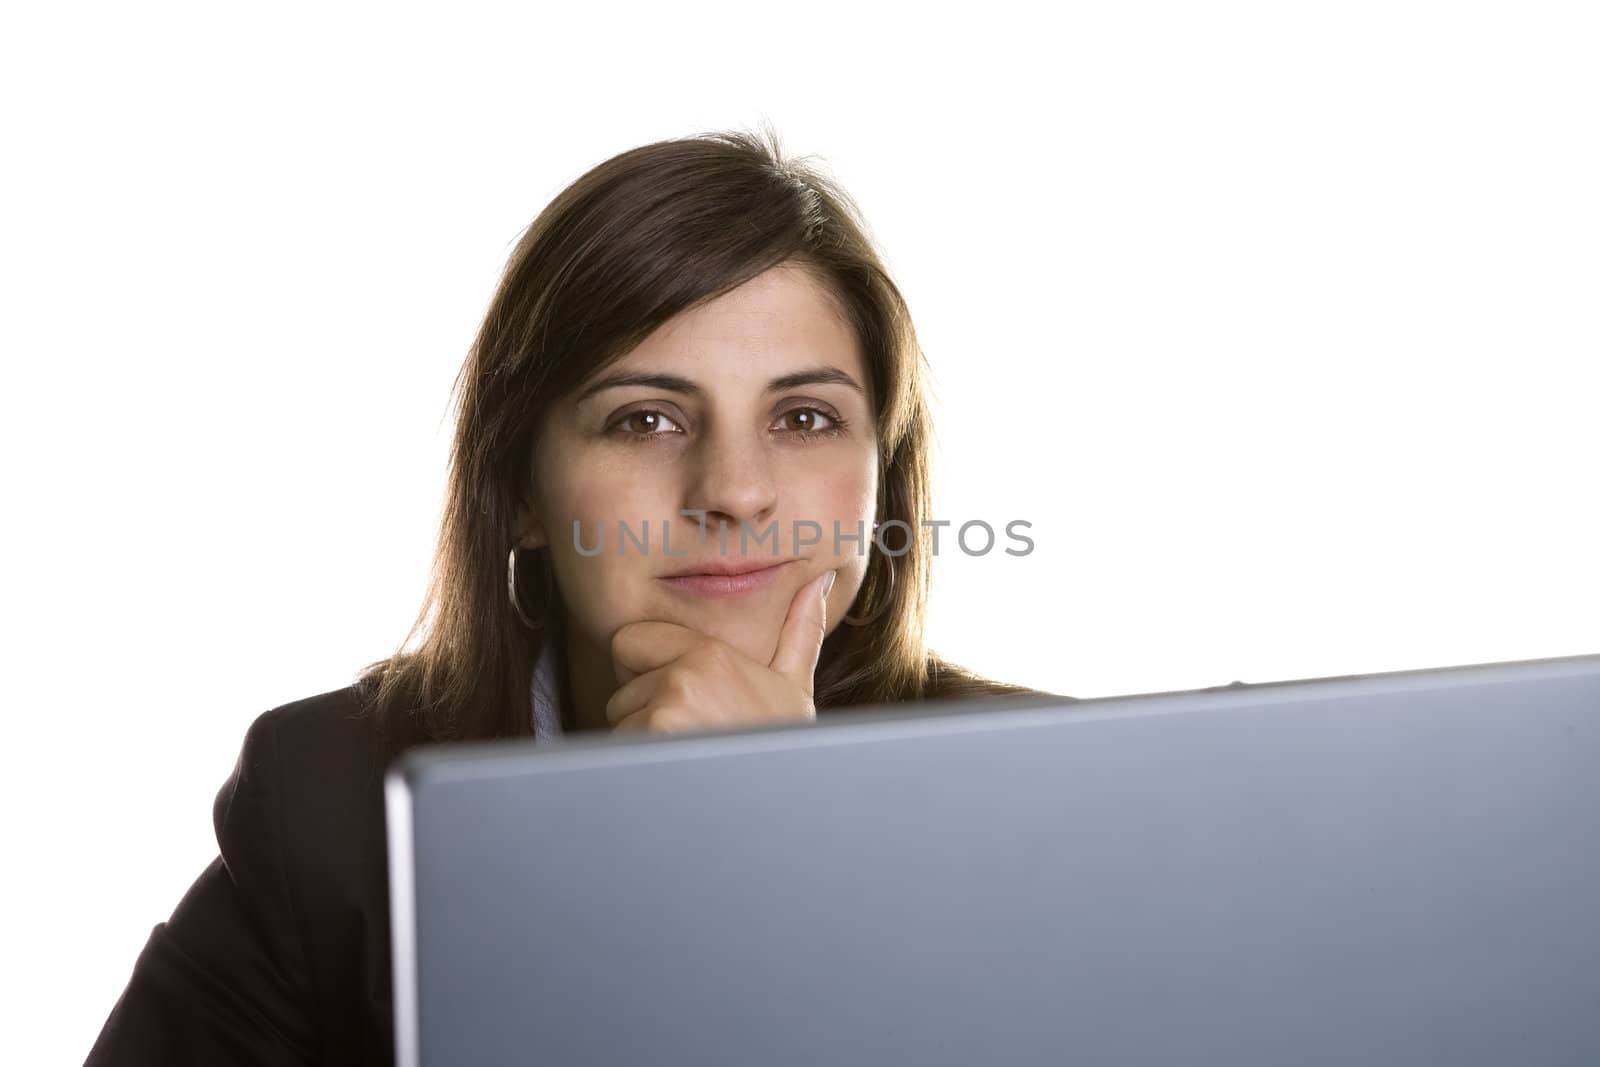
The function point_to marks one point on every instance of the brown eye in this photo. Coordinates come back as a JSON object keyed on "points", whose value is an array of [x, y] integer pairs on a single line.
{"points": [[806, 421], [646, 423]]}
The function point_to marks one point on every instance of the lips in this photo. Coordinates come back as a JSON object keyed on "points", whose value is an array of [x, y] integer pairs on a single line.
{"points": [[733, 579], [727, 567]]}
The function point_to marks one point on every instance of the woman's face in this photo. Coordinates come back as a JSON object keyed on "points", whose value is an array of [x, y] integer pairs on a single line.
{"points": [[751, 408]]}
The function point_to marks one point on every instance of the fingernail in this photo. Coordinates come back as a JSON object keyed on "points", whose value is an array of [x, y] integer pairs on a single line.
{"points": [[827, 583]]}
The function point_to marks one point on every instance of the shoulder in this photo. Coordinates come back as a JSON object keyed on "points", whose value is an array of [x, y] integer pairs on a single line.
{"points": [[305, 746], [314, 730], [320, 739], [336, 718], [315, 766], [301, 826], [306, 796]]}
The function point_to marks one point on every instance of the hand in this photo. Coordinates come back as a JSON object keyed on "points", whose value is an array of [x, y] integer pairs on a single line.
{"points": [[674, 678]]}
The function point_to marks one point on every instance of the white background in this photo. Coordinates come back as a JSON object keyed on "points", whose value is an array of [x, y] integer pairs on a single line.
{"points": [[1277, 321]]}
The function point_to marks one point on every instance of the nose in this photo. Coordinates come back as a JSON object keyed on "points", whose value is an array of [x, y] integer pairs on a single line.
{"points": [[731, 480]]}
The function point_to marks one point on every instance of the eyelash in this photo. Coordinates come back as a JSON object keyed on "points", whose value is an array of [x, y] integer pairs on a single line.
{"points": [[838, 425]]}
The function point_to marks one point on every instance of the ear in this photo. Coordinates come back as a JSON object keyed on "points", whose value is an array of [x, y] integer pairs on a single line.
{"points": [[530, 531]]}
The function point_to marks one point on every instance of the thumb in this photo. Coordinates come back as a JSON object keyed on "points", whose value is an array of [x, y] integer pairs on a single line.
{"points": [[800, 640]]}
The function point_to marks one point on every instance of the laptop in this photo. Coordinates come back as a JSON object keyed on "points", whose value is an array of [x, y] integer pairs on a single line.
{"points": [[1396, 868]]}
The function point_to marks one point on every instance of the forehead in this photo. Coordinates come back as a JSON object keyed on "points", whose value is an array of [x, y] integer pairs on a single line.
{"points": [[781, 317]]}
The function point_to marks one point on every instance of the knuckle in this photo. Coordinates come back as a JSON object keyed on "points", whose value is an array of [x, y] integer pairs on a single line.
{"points": [[679, 687]]}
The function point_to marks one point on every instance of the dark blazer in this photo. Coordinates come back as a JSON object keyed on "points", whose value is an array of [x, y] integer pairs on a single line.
{"points": [[279, 952]]}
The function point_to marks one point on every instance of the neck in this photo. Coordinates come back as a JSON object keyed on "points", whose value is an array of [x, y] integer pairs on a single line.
{"points": [[588, 684]]}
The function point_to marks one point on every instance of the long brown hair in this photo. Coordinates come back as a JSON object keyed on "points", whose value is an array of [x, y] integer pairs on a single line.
{"points": [[636, 240]]}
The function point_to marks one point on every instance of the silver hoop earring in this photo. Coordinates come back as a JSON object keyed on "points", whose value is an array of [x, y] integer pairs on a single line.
{"points": [[887, 599], [511, 590]]}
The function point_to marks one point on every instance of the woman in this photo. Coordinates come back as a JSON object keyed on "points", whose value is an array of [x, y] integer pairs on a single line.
{"points": [[696, 339]]}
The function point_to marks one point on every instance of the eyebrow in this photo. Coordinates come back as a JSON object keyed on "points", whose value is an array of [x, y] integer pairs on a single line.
{"points": [[673, 383]]}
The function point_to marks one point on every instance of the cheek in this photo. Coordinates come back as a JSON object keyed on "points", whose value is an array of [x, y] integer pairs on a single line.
{"points": [[601, 590], [602, 495], [848, 501]]}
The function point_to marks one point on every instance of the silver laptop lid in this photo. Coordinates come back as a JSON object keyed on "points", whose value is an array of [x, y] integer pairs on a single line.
{"points": [[1382, 869]]}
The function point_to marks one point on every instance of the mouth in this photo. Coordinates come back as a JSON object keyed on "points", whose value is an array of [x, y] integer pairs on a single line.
{"points": [[726, 578]]}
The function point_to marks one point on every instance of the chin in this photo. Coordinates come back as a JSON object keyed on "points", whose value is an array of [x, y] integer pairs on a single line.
{"points": [[734, 625]]}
